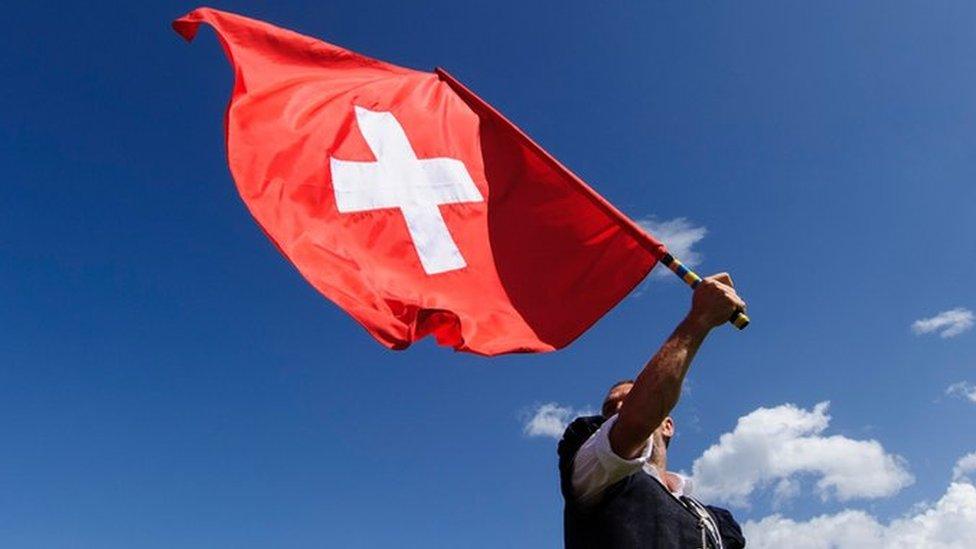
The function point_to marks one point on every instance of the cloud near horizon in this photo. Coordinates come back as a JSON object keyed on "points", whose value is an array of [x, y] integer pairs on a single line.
{"points": [[949, 523], [948, 323], [848, 468], [776, 447]]}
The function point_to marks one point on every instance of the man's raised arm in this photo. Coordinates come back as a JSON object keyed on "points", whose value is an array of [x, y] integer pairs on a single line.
{"points": [[658, 386]]}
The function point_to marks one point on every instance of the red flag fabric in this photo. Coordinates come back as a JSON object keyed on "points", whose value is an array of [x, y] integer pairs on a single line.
{"points": [[411, 203]]}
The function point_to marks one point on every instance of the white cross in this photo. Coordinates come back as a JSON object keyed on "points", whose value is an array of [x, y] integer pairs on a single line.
{"points": [[398, 179]]}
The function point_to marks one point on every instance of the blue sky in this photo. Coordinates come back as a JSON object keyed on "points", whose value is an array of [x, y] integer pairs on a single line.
{"points": [[168, 380]]}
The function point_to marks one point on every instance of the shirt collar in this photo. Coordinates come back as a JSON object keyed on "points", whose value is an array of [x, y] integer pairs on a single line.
{"points": [[683, 484]]}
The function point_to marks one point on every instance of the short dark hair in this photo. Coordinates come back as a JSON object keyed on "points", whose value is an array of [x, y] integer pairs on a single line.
{"points": [[605, 408]]}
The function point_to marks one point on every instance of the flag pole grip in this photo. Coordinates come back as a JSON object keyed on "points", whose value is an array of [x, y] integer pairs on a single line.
{"points": [[738, 319]]}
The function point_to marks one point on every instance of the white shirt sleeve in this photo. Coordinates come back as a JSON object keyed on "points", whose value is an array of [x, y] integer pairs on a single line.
{"points": [[596, 466]]}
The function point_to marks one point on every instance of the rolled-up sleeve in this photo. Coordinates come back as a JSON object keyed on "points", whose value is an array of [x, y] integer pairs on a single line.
{"points": [[597, 466]]}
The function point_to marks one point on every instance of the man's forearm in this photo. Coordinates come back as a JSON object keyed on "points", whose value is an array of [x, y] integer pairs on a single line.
{"points": [[656, 389], [658, 386]]}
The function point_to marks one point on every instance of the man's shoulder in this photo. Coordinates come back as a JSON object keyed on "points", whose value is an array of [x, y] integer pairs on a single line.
{"points": [[584, 424], [578, 432]]}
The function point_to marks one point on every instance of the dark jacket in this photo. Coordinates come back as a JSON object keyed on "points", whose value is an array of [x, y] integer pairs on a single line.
{"points": [[635, 512]]}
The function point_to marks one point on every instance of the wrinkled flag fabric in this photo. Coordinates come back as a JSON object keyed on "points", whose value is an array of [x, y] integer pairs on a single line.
{"points": [[411, 203]]}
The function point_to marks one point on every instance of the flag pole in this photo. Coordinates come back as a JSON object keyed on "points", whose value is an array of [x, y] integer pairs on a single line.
{"points": [[738, 319]]}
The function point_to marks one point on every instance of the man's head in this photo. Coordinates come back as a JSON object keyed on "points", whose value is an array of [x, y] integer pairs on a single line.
{"points": [[615, 399]]}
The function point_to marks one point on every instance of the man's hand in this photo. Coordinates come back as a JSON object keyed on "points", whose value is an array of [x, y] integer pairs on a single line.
{"points": [[657, 388], [714, 302]]}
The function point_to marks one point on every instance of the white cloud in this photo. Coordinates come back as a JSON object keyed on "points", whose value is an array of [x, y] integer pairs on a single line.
{"points": [[770, 446], [781, 445], [785, 490], [965, 466], [948, 323], [550, 420], [948, 524], [679, 235], [962, 390], [845, 529]]}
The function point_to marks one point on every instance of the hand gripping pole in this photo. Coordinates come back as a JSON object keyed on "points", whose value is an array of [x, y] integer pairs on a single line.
{"points": [[738, 319]]}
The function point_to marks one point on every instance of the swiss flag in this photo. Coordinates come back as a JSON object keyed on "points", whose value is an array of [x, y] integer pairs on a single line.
{"points": [[413, 204]]}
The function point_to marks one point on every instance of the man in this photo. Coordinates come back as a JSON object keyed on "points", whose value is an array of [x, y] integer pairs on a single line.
{"points": [[613, 467]]}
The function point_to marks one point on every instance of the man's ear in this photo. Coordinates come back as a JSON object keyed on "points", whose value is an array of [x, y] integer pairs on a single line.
{"points": [[667, 427]]}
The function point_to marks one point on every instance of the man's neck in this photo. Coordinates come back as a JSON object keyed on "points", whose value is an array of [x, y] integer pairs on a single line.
{"points": [[659, 460], [659, 456]]}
